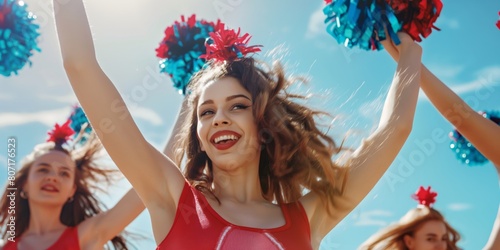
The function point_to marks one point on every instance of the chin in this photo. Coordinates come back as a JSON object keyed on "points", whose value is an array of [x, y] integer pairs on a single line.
{"points": [[49, 201]]}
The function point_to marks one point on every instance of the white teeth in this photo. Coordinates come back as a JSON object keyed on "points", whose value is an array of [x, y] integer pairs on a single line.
{"points": [[225, 138], [49, 188]]}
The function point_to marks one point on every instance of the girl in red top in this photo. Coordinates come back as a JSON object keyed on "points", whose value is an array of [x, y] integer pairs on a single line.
{"points": [[248, 145], [54, 207], [483, 133]]}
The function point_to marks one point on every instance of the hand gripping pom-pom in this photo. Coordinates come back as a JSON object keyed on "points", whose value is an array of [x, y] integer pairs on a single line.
{"points": [[418, 16], [425, 196], [464, 150], [18, 36], [181, 48], [361, 23]]}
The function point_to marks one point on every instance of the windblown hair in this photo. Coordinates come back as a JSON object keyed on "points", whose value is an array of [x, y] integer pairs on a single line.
{"points": [[392, 237], [84, 204], [295, 155]]}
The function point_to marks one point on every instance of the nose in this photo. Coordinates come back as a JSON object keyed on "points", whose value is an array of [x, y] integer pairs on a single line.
{"points": [[220, 118], [442, 245], [51, 176]]}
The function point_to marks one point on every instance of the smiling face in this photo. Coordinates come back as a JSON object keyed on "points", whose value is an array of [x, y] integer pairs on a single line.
{"points": [[226, 127], [432, 235], [51, 179]]}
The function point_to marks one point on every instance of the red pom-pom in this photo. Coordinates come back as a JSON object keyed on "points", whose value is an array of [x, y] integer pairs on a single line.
{"points": [[498, 22], [424, 196], [418, 16], [61, 133], [227, 45]]}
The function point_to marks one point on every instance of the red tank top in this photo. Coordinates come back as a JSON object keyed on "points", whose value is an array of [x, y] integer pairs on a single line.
{"points": [[68, 240], [198, 226]]}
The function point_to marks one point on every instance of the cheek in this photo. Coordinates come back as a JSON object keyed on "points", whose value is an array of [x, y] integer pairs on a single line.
{"points": [[200, 135], [68, 183], [33, 178]]}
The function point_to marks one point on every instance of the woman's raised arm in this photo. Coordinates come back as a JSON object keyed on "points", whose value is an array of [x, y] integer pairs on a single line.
{"points": [[155, 177]]}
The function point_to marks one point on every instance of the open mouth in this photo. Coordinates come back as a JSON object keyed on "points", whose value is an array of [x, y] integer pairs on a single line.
{"points": [[50, 188], [224, 139]]}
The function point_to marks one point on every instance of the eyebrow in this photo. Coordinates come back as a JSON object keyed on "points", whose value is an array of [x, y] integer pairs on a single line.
{"points": [[44, 164], [432, 234], [229, 98]]}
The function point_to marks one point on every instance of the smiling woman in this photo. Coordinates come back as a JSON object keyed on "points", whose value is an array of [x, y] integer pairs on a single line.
{"points": [[250, 147], [55, 207]]}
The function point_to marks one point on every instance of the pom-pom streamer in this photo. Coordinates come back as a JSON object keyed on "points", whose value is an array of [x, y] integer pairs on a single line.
{"points": [[464, 150], [80, 124], [362, 23], [18, 36], [181, 48], [228, 45], [498, 22]]}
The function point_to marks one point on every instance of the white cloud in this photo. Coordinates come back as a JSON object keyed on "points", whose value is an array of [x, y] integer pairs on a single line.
{"points": [[316, 25], [3, 161], [486, 78], [146, 114], [372, 109], [445, 71], [372, 218], [459, 206], [47, 117], [69, 98], [445, 22], [6, 96]]}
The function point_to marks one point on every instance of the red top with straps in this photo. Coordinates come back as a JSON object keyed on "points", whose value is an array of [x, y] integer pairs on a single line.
{"points": [[198, 226], [67, 240]]}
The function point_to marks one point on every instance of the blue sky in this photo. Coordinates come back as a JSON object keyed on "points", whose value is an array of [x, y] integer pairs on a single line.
{"points": [[351, 84]]}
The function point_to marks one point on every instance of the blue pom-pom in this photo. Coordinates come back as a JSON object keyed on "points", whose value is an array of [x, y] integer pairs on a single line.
{"points": [[360, 23], [464, 150], [181, 48], [18, 36], [78, 121]]}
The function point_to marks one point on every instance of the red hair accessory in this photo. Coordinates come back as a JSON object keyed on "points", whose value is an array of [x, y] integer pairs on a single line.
{"points": [[424, 196], [228, 45], [61, 133]]}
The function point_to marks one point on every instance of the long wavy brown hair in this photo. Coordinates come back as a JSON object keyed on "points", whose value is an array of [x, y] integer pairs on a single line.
{"points": [[295, 155], [392, 237], [84, 204]]}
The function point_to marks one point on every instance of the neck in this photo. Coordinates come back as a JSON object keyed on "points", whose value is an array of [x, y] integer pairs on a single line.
{"points": [[44, 219], [240, 184]]}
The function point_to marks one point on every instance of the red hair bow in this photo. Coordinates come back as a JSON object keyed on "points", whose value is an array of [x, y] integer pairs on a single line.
{"points": [[228, 45], [424, 196], [61, 133]]}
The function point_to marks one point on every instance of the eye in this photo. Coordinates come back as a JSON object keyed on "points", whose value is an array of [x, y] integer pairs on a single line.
{"points": [[43, 170], [206, 112], [432, 239], [239, 106], [64, 174]]}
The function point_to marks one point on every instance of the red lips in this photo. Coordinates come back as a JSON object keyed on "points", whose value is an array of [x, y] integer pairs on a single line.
{"points": [[50, 188], [224, 139]]}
